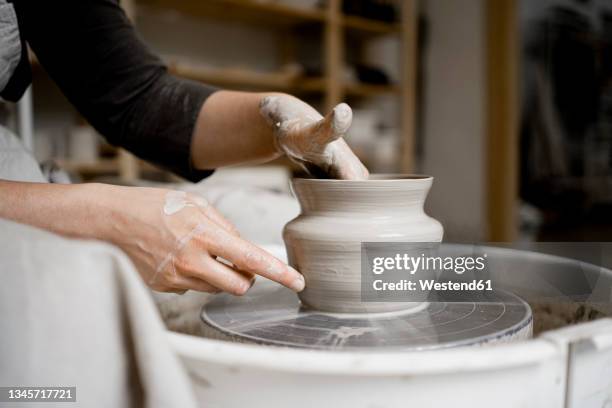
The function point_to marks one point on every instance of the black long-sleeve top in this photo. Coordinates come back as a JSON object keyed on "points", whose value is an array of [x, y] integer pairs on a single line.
{"points": [[91, 50]]}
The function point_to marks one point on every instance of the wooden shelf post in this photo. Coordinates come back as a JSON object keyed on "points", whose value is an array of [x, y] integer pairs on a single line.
{"points": [[129, 169], [334, 55], [502, 36], [408, 41]]}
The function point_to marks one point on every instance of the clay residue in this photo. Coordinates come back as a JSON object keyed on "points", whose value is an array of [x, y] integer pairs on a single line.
{"points": [[338, 337], [177, 200], [550, 316]]}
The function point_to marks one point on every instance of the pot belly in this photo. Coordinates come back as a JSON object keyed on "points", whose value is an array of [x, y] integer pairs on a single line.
{"points": [[328, 253]]}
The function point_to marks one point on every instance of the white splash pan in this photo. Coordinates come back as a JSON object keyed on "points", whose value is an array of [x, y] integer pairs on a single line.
{"points": [[569, 367]]}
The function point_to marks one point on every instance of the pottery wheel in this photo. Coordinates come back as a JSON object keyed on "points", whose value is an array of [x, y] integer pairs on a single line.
{"points": [[271, 314]]}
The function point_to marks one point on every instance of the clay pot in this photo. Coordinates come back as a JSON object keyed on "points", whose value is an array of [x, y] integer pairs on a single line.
{"points": [[324, 241]]}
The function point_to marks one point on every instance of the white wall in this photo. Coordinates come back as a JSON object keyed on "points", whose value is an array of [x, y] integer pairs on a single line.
{"points": [[453, 97], [454, 117]]}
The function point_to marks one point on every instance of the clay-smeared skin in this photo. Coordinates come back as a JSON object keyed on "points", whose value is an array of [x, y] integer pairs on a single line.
{"points": [[203, 241], [178, 242], [177, 200], [311, 140], [324, 241]]}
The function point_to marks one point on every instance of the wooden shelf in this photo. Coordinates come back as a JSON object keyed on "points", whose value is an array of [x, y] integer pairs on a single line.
{"points": [[254, 11], [311, 85], [370, 90], [273, 81], [101, 166], [366, 25], [231, 76], [242, 10], [245, 79]]}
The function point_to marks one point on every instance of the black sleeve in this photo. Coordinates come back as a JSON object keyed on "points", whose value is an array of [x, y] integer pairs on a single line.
{"points": [[91, 50]]}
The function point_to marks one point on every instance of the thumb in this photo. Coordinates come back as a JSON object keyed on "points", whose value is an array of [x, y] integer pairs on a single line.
{"points": [[334, 125]]}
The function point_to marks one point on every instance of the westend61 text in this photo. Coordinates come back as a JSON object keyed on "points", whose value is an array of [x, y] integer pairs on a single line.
{"points": [[431, 284]]}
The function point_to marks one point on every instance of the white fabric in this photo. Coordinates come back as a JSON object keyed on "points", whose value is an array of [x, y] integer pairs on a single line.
{"points": [[76, 313], [16, 164]]}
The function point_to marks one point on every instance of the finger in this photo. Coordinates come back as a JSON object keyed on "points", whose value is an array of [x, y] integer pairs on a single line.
{"points": [[183, 283], [215, 216], [166, 288], [334, 125], [345, 164], [221, 276], [248, 275], [248, 257]]}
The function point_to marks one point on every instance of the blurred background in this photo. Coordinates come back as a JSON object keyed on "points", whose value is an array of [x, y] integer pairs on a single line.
{"points": [[507, 103]]}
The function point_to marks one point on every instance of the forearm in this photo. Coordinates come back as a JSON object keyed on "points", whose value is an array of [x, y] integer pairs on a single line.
{"points": [[64, 209], [230, 130], [173, 250]]}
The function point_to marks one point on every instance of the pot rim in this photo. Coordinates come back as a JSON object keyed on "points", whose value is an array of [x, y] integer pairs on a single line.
{"points": [[380, 178]]}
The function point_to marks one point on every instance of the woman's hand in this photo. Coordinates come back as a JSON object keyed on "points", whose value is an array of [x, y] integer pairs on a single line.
{"points": [[178, 241], [312, 140], [245, 127]]}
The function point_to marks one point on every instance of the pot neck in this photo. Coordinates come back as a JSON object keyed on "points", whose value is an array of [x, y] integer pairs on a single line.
{"points": [[376, 198]]}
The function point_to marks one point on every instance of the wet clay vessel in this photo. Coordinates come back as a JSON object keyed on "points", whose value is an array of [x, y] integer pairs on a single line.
{"points": [[324, 241]]}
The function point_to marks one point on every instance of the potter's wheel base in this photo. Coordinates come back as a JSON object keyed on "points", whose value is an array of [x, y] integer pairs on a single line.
{"points": [[271, 314]]}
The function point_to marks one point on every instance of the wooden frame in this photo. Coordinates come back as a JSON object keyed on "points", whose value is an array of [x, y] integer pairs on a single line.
{"points": [[408, 101], [502, 117]]}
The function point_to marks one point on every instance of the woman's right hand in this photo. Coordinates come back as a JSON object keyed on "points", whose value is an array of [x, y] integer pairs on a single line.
{"points": [[178, 241]]}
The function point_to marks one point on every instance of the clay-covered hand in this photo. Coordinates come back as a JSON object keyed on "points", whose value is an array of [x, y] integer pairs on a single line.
{"points": [[313, 141], [178, 241]]}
